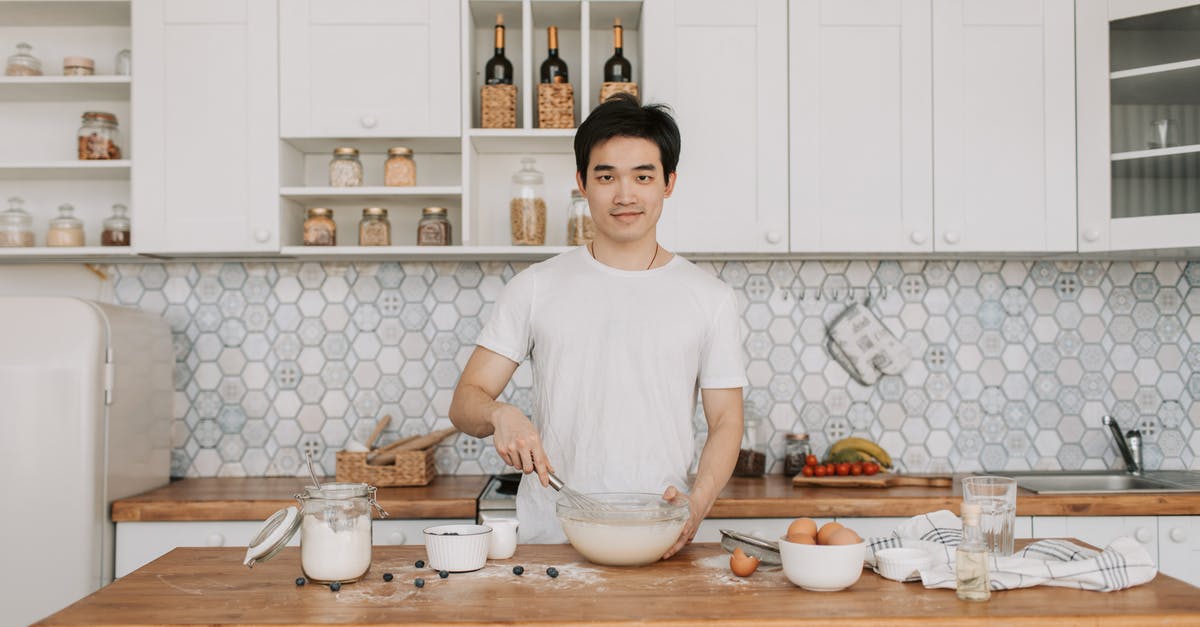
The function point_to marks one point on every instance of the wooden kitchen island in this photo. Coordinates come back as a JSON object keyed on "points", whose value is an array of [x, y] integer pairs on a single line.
{"points": [[210, 586]]}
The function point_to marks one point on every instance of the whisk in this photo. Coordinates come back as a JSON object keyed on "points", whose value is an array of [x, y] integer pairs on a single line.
{"points": [[578, 500]]}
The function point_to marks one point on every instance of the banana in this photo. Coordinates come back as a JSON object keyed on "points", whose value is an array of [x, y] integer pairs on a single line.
{"points": [[865, 446], [849, 455]]}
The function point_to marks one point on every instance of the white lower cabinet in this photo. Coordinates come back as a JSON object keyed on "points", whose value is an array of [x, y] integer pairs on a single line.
{"points": [[1179, 547], [1174, 541], [139, 543], [766, 528]]}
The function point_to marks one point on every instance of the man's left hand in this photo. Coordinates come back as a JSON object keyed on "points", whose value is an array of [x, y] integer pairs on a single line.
{"points": [[697, 509]]}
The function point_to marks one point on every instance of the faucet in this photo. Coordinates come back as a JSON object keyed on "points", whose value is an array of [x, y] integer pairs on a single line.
{"points": [[1130, 445]]}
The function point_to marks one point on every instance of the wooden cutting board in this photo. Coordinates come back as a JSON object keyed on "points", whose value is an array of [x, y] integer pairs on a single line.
{"points": [[881, 480]]}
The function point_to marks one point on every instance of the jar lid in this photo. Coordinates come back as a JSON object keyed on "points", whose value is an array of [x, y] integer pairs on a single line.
{"points": [[119, 220], [400, 151], [375, 211], [576, 194], [15, 216], [796, 436], [100, 115], [528, 175], [325, 212], [65, 220], [344, 151], [433, 211], [274, 534], [78, 62]]}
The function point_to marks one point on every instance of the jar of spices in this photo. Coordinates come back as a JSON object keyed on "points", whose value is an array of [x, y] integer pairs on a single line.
{"points": [[319, 227], [66, 229], [345, 170], [23, 63], [16, 226], [795, 453], [527, 209], [116, 227], [99, 137], [400, 170], [78, 66], [752, 456], [434, 227], [580, 228], [374, 228]]}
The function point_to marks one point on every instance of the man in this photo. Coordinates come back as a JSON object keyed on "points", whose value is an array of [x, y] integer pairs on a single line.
{"points": [[621, 333]]}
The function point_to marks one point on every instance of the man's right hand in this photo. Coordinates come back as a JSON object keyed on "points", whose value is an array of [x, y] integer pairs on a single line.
{"points": [[519, 444]]}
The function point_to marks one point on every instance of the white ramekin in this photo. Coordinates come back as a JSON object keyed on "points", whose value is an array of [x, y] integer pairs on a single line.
{"points": [[457, 548]]}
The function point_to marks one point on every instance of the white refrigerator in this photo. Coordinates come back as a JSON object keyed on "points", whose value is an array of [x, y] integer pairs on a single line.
{"points": [[85, 418]]}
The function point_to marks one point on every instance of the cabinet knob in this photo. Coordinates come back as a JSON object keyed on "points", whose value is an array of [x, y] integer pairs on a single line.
{"points": [[215, 539], [262, 235], [951, 237], [369, 121], [1143, 535], [1091, 235], [396, 537], [773, 237], [1177, 534], [917, 237]]}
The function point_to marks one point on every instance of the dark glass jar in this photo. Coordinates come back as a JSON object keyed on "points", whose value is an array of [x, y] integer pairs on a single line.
{"points": [[116, 227], [796, 451], [434, 227]]}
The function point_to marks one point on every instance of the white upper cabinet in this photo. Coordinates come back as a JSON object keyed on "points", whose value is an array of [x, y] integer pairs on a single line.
{"points": [[1003, 131], [369, 68], [207, 108], [861, 132], [1139, 124], [722, 66]]}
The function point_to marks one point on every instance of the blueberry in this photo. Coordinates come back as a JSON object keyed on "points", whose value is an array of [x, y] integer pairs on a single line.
{"points": [[420, 564], [517, 570], [420, 583], [552, 571], [443, 574], [387, 576], [300, 581], [335, 586]]}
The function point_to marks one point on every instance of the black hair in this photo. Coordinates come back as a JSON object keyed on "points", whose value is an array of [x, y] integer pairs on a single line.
{"points": [[622, 116]]}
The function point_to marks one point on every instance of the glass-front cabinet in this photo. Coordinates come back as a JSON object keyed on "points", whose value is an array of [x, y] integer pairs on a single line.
{"points": [[1138, 68]]}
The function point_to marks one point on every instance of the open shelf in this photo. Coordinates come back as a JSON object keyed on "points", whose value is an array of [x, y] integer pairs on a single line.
{"points": [[68, 253], [1168, 83], [384, 253], [116, 169], [64, 13], [430, 195], [1156, 152], [63, 88], [521, 140]]}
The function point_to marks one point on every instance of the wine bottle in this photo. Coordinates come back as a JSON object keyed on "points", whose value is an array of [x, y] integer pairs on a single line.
{"points": [[554, 69], [498, 70], [617, 68]]}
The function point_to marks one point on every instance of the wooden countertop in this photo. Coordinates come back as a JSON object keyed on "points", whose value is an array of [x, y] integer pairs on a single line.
{"points": [[210, 586], [255, 498]]}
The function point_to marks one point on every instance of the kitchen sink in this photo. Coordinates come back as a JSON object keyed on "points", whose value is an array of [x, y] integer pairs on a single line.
{"points": [[1104, 481]]}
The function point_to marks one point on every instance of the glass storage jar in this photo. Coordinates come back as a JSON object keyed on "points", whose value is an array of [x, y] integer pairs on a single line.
{"points": [[580, 228], [752, 456], [319, 227], [23, 63], [78, 66], [374, 228], [796, 450], [16, 226], [123, 64], [66, 229], [400, 170], [527, 209], [116, 227], [434, 227], [345, 170], [99, 137]]}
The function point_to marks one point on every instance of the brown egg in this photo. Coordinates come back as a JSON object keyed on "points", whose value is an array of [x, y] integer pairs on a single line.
{"points": [[806, 526], [843, 536], [741, 564], [800, 538], [827, 531]]}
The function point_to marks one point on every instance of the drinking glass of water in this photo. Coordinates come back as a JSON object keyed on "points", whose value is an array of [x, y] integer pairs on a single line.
{"points": [[998, 498]]}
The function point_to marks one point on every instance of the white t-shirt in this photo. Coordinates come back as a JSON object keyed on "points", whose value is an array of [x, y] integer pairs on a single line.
{"points": [[618, 357]]}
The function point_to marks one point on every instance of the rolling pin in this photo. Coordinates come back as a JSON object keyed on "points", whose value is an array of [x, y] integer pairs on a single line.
{"points": [[412, 443]]}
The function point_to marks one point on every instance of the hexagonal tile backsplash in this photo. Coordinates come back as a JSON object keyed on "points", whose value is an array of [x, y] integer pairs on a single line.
{"points": [[1015, 361]]}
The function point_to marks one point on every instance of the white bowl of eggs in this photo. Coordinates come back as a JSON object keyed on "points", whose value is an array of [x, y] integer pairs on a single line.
{"points": [[824, 559]]}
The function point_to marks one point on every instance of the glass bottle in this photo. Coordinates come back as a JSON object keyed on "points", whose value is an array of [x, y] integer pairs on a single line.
{"points": [[527, 209], [99, 137], [16, 226], [580, 228], [66, 229], [498, 70], [116, 227], [434, 227], [752, 457], [23, 63], [971, 558], [124, 63], [400, 170], [796, 451], [554, 69], [617, 68], [374, 228], [319, 227], [345, 170]]}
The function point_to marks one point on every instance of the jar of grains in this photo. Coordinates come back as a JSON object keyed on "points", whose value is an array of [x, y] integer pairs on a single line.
{"points": [[580, 228], [16, 226], [434, 227], [319, 227], [66, 229], [527, 209], [795, 453], [345, 170], [374, 228], [116, 227], [23, 63], [99, 137], [400, 170], [78, 66]]}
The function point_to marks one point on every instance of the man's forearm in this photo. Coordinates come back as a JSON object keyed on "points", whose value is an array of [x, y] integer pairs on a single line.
{"points": [[718, 458], [472, 409]]}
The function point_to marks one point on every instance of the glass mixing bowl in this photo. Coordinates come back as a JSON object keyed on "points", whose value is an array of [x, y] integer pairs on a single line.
{"points": [[630, 529]]}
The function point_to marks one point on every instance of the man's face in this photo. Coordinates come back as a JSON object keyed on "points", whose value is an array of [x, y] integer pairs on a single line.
{"points": [[625, 188]]}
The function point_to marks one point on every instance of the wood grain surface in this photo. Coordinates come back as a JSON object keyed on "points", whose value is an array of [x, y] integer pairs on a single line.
{"points": [[881, 480], [210, 586]]}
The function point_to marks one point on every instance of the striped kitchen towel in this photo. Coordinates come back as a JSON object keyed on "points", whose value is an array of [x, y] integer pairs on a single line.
{"points": [[1124, 563]]}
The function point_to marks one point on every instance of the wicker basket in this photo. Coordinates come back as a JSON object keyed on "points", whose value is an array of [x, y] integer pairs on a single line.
{"points": [[498, 106], [411, 468], [608, 89], [556, 105]]}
